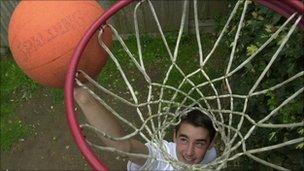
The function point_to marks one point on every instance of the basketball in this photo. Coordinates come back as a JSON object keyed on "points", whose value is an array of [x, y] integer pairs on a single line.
{"points": [[44, 34]]}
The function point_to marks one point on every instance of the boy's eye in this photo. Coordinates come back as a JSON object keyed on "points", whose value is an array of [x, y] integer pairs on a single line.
{"points": [[199, 144], [183, 140]]}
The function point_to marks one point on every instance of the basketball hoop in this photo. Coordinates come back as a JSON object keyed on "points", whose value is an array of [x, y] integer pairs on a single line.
{"points": [[230, 133]]}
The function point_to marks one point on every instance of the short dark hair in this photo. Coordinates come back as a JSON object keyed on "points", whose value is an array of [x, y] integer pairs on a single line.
{"points": [[198, 119]]}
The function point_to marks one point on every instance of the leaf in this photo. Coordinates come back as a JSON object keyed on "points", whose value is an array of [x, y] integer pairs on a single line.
{"points": [[268, 28], [280, 41], [300, 146], [254, 14], [301, 131], [260, 18], [251, 50], [272, 136]]}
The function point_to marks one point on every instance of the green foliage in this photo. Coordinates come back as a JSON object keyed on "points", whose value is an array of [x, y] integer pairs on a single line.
{"points": [[301, 145], [260, 24], [154, 54]]}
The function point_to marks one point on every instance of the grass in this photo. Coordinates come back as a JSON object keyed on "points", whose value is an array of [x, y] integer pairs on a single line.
{"points": [[16, 88], [157, 61]]}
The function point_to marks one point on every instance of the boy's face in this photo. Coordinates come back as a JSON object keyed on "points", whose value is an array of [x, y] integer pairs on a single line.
{"points": [[192, 143]]}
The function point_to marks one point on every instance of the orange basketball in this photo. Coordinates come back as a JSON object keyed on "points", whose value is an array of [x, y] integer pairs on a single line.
{"points": [[43, 36]]}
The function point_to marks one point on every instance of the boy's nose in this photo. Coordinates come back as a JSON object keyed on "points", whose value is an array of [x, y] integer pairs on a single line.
{"points": [[190, 150]]}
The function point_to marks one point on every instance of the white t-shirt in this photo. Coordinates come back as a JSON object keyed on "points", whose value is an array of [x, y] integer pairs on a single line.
{"points": [[170, 148]]}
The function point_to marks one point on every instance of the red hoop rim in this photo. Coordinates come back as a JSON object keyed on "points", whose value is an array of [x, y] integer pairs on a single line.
{"points": [[92, 159], [283, 7]]}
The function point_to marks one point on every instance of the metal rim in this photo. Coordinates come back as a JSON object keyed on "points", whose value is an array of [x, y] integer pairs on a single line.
{"points": [[285, 8], [93, 160]]}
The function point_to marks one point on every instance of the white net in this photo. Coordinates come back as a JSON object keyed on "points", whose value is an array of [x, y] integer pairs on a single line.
{"points": [[160, 104]]}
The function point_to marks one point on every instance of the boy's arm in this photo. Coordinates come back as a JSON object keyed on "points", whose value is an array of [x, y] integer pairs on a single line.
{"points": [[99, 117]]}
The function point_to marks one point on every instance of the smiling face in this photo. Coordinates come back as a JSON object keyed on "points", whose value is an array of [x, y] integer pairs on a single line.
{"points": [[192, 143]]}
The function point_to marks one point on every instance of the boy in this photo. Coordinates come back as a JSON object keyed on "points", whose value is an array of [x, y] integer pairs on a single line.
{"points": [[192, 140]]}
